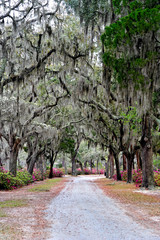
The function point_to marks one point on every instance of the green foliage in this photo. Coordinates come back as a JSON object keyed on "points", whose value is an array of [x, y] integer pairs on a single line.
{"points": [[131, 118], [68, 143], [131, 5], [139, 21], [139, 18], [8, 182]]}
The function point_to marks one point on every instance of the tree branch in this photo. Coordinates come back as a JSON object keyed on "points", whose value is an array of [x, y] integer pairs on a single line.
{"points": [[101, 108], [27, 71]]}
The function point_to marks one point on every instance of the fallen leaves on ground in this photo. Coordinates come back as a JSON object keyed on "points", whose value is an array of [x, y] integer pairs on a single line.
{"points": [[22, 210], [142, 205]]}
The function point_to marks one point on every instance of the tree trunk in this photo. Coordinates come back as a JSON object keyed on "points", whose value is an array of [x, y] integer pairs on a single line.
{"points": [[139, 162], [74, 172], [32, 163], [39, 165], [147, 161], [51, 165], [111, 160], [52, 160], [85, 164], [80, 164], [64, 164], [130, 159], [13, 162], [129, 168], [107, 169], [14, 149], [117, 166], [97, 165], [32, 160], [124, 163]]}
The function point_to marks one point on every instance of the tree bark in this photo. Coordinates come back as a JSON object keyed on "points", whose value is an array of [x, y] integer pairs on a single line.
{"points": [[39, 165], [124, 163], [111, 160], [32, 160], [14, 149], [139, 162], [52, 160], [115, 154], [74, 172], [146, 154], [107, 169]]}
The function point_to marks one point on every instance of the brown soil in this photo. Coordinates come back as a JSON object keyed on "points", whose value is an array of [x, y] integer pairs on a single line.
{"points": [[27, 222], [132, 199]]}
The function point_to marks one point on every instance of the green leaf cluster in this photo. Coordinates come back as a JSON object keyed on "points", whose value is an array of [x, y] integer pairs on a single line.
{"points": [[139, 21]]}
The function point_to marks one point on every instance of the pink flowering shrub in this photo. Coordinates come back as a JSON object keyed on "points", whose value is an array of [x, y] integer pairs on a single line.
{"points": [[79, 171], [36, 175], [101, 171], [157, 177], [137, 177], [57, 172], [9, 182], [124, 175], [86, 171], [94, 171]]}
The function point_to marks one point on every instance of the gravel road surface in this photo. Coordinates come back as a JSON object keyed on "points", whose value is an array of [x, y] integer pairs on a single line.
{"points": [[82, 212]]}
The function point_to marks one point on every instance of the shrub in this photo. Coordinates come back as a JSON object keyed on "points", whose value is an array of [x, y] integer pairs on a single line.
{"points": [[101, 171], [79, 171], [94, 171], [7, 181], [37, 175], [57, 172], [124, 175], [86, 171], [137, 177], [157, 178], [24, 176]]}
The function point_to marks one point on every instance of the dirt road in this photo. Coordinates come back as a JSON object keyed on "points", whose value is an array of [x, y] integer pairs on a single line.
{"points": [[82, 212]]}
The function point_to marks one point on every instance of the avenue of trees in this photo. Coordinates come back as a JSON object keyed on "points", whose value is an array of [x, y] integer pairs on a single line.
{"points": [[80, 71]]}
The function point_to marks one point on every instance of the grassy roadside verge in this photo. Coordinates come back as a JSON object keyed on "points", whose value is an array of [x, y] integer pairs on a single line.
{"points": [[141, 206], [46, 185]]}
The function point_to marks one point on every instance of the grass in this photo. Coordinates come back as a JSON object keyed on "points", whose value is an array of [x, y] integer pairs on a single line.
{"points": [[2, 214], [13, 203], [45, 186]]}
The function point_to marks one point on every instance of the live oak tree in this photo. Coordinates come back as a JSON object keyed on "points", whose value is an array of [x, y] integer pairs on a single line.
{"points": [[131, 41], [132, 53]]}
